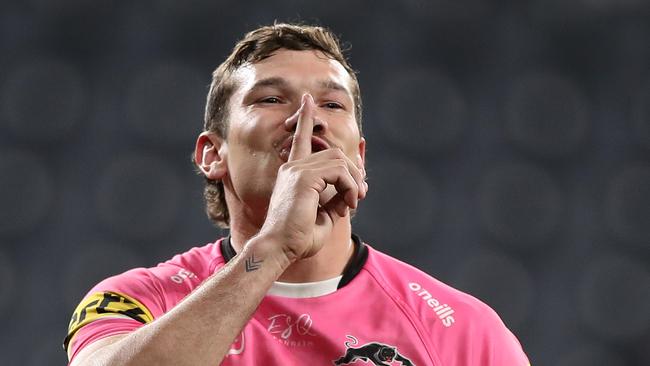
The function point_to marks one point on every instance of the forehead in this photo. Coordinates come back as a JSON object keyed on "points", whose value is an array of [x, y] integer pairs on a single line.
{"points": [[297, 67]]}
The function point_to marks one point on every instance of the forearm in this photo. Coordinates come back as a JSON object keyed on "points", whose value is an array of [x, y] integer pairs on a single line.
{"points": [[201, 328]]}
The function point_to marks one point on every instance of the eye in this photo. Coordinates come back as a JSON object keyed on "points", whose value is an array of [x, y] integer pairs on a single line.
{"points": [[333, 105], [270, 100]]}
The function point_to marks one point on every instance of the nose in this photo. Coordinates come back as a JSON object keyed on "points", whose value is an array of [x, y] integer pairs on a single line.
{"points": [[320, 125]]}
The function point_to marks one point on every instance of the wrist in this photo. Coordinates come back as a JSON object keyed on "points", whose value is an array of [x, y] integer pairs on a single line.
{"points": [[270, 248]]}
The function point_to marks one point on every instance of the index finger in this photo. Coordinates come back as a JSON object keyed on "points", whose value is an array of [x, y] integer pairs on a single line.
{"points": [[301, 144]]}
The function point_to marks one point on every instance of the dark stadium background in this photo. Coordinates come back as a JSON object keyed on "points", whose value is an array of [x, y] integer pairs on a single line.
{"points": [[508, 154]]}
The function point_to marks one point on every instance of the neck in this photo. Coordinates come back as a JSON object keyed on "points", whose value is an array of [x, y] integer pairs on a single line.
{"points": [[328, 263]]}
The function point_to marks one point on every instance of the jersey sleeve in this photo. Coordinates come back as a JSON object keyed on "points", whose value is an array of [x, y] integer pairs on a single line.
{"points": [[126, 302], [117, 305], [479, 337], [457, 328]]}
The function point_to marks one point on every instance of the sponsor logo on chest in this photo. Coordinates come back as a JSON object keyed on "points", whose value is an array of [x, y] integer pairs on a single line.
{"points": [[292, 331]]}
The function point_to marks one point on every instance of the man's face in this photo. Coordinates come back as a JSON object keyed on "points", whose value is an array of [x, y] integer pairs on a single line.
{"points": [[268, 93]]}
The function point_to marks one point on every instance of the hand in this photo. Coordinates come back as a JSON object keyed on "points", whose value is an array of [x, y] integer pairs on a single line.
{"points": [[302, 209]]}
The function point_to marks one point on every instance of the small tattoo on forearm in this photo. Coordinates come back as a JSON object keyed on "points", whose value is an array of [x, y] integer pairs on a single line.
{"points": [[252, 264]]}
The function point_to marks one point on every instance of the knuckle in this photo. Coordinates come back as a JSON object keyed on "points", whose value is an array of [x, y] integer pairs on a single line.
{"points": [[340, 163], [290, 168], [304, 176], [294, 169], [335, 153]]}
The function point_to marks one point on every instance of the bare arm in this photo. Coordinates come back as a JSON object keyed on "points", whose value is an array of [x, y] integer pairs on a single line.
{"points": [[200, 329]]}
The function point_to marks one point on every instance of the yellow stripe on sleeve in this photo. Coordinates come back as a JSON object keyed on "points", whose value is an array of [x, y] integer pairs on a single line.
{"points": [[106, 305]]}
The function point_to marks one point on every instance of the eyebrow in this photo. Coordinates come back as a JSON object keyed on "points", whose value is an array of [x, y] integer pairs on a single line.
{"points": [[274, 81], [282, 83], [333, 85]]}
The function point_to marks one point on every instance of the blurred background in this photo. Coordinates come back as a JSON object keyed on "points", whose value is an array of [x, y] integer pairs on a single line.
{"points": [[508, 154]]}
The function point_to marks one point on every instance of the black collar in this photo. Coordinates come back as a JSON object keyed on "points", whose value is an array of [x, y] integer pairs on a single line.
{"points": [[353, 267]]}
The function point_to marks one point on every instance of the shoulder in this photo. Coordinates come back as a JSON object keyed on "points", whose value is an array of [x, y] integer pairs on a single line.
{"points": [[180, 274], [144, 294], [128, 300], [454, 322], [432, 300], [195, 264], [150, 286]]}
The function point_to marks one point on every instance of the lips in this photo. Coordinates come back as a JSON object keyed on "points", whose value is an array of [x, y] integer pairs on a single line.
{"points": [[317, 144]]}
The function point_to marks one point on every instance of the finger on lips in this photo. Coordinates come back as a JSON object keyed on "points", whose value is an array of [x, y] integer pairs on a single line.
{"points": [[350, 188], [301, 145]]}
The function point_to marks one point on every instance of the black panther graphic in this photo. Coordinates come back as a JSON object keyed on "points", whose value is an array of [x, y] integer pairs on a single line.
{"points": [[374, 352]]}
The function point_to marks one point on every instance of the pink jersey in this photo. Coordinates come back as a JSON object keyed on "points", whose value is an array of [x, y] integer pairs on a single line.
{"points": [[382, 312]]}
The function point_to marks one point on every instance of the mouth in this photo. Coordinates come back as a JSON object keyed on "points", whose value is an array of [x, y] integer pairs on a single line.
{"points": [[317, 144]]}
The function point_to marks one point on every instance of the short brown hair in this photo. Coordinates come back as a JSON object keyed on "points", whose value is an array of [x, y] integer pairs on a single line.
{"points": [[256, 46]]}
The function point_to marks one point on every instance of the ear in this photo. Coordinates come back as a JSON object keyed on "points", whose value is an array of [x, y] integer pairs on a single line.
{"points": [[210, 155]]}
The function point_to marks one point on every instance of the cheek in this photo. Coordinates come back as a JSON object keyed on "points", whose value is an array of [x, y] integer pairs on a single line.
{"points": [[350, 138], [248, 133], [256, 128]]}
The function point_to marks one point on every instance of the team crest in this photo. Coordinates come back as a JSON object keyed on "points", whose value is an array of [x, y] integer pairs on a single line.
{"points": [[377, 353]]}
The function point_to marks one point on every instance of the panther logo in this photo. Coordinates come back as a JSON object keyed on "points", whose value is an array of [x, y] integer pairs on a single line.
{"points": [[377, 353]]}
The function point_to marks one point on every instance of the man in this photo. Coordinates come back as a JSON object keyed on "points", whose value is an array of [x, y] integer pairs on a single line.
{"points": [[283, 157]]}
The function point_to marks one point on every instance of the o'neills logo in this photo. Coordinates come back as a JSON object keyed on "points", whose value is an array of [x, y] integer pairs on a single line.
{"points": [[443, 311]]}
